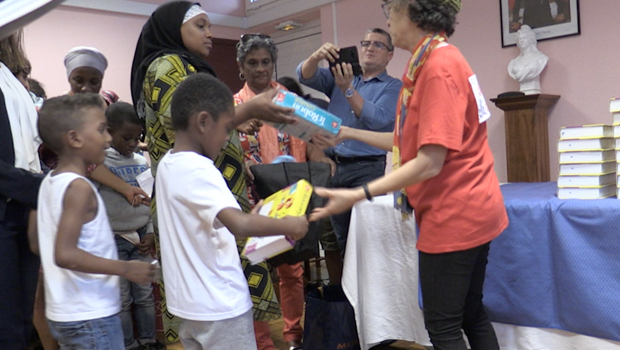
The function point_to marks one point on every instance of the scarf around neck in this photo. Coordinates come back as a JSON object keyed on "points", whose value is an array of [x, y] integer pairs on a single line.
{"points": [[421, 52], [161, 35]]}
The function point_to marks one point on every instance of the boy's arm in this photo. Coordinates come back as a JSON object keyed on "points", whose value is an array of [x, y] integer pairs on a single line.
{"points": [[80, 207], [134, 195], [244, 225], [33, 237]]}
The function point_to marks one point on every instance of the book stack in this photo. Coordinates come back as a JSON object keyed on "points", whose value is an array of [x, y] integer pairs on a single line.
{"points": [[587, 162], [614, 109]]}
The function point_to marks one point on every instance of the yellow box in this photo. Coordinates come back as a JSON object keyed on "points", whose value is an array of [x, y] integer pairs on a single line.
{"points": [[290, 201]]}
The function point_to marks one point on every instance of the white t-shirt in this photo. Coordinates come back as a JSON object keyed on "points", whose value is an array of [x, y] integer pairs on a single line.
{"points": [[72, 295], [200, 262]]}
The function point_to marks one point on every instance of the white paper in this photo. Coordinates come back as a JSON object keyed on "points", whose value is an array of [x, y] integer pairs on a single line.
{"points": [[146, 181], [483, 110]]}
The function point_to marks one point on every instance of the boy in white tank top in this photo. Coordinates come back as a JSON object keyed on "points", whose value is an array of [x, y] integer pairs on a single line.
{"points": [[77, 247]]}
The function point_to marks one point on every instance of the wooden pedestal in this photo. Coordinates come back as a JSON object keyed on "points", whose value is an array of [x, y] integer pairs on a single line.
{"points": [[527, 136]]}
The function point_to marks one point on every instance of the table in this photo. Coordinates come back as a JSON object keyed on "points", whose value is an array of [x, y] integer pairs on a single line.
{"points": [[380, 275]]}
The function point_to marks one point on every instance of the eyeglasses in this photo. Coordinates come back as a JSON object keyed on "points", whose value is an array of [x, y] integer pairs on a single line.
{"points": [[246, 37], [375, 44], [386, 8]]}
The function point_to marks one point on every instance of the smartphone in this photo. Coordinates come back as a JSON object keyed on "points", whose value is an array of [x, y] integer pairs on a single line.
{"points": [[349, 55]]}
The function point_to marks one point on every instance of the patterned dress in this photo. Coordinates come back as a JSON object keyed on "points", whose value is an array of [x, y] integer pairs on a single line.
{"points": [[162, 78]]}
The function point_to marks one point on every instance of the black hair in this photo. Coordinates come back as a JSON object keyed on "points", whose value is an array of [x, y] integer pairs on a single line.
{"points": [[292, 85], [199, 92], [431, 15], [385, 33], [62, 114], [119, 113], [37, 88]]}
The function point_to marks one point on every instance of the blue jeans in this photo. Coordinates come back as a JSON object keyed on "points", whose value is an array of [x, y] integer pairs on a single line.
{"points": [[137, 295], [19, 271], [350, 175], [452, 296], [98, 334]]}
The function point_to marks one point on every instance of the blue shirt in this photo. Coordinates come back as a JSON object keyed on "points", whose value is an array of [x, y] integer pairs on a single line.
{"points": [[380, 95]]}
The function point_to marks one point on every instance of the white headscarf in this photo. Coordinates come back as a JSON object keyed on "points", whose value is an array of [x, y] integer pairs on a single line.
{"points": [[193, 12], [23, 120], [83, 56]]}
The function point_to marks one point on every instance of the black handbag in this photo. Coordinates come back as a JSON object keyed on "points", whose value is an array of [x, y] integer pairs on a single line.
{"points": [[329, 321], [270, 178]]}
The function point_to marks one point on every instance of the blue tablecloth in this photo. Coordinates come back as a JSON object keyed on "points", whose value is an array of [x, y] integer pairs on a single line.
{"points": [[557, 265]]}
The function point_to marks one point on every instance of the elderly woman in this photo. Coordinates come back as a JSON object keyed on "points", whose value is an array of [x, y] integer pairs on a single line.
{"points": [[445, 166], [176, 42], [256, 57]]}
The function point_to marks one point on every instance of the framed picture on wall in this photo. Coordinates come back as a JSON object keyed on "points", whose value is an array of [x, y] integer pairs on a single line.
{"points": [[548, 18]]}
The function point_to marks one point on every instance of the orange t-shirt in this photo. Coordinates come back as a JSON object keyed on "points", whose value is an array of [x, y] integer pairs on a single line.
{"points": [[462, 207]]}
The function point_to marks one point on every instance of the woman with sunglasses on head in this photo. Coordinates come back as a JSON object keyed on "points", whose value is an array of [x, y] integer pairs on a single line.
{"points": [[444, 166], [256, 56], [176, 42]]}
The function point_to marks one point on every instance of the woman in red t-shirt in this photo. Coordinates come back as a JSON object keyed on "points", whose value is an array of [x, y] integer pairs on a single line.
{"points": [[444, 166]]}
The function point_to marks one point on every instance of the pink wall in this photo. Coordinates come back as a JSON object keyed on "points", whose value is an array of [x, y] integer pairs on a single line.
{"points": [[583, 69], [48, 39]]}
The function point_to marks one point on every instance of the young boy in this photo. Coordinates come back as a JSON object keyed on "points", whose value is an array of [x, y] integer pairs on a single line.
{"points": [[199, 218], [77, 247], [132, 226]]}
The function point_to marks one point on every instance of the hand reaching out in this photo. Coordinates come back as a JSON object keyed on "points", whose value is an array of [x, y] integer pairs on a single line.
{"points": [[339, 200]]}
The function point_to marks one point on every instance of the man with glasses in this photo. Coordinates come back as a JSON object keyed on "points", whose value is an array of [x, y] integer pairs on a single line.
{"points": [[367, 101]]}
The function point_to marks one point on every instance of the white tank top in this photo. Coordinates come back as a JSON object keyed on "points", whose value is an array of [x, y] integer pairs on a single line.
{"points": [[71, 295]]}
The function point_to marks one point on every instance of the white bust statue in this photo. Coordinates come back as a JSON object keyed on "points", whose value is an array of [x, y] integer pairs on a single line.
{"points": [[526, 67]]}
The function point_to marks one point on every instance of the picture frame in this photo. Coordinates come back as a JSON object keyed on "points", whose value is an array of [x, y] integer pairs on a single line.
{"points": [[548, 18]]}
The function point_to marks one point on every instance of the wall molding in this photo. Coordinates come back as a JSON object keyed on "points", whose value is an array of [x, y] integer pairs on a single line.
{"points": [[256, 17]]}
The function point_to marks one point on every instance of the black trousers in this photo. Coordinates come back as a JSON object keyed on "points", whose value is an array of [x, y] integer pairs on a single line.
{"points": [[452, 296], [19, 270]]}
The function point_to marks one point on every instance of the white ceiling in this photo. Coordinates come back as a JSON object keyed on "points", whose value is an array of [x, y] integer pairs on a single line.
{"points": [[229, 13]]}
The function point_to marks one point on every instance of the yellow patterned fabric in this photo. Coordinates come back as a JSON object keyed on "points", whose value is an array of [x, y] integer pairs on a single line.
{"points": [[162, 78]]}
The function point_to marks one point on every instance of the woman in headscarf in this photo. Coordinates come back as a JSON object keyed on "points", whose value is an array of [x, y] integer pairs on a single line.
{"points": [[443, 168], [175, 42], [256, 57], [85, 69]]}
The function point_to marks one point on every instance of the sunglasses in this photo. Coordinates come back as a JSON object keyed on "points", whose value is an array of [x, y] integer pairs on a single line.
{"points": [[386, 8], [375, 44], [246, 37]]}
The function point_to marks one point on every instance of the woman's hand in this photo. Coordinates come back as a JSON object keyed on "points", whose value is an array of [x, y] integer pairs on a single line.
{"points": [[250, 127], [262, 107], [249, 176], [339, 200], [324, 141], [331, 163]]}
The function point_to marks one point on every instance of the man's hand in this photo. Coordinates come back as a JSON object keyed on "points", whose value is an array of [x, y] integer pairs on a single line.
{"points": [[343, 75], [328, 52]]}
